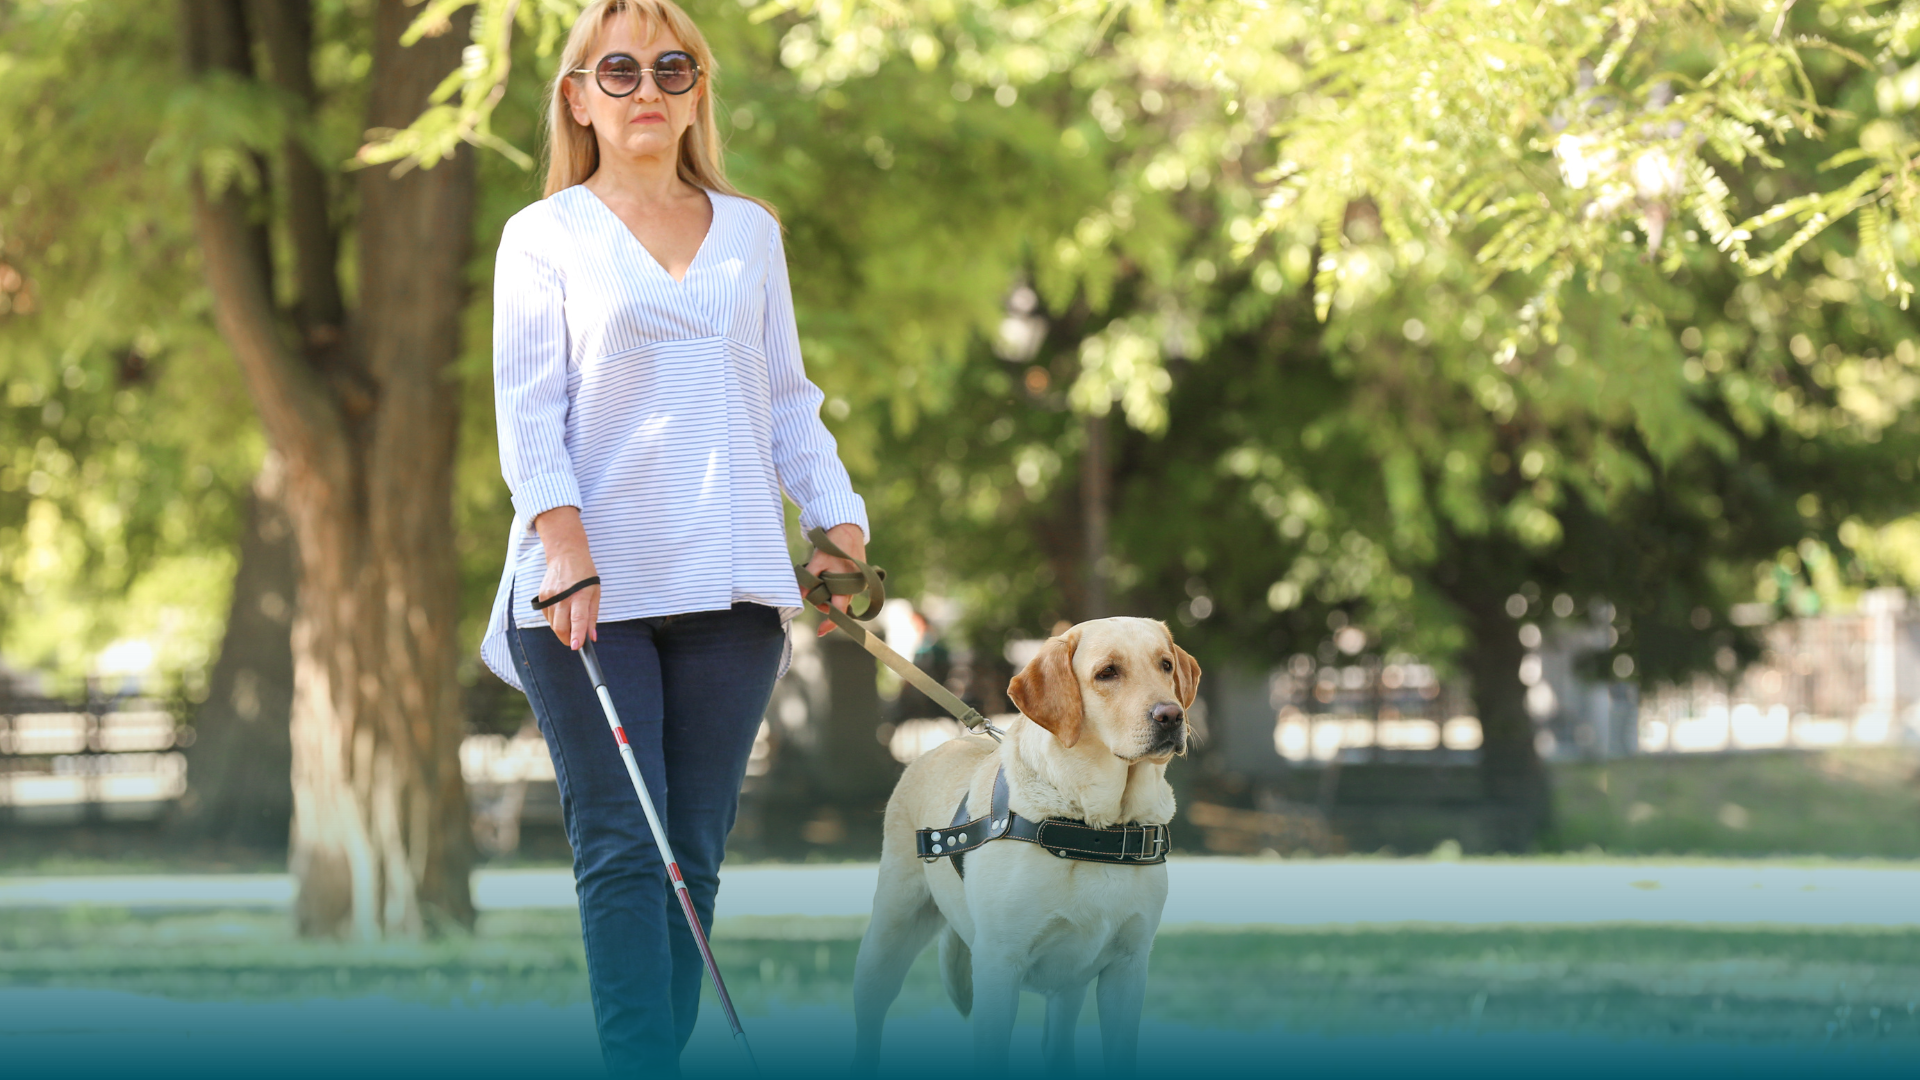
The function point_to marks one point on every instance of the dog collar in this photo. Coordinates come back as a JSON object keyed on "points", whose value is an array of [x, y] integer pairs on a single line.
{"points": [[1131, 844]]}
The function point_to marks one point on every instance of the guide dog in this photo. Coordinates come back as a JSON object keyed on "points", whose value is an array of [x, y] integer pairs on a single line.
{"points": [[1103, 710]]}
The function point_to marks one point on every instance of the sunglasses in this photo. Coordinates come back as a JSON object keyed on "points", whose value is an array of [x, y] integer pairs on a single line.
{"points": [[619, 74]]}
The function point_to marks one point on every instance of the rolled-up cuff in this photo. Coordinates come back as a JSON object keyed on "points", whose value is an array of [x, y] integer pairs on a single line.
{"points": [[845, 508], [539, 494]]}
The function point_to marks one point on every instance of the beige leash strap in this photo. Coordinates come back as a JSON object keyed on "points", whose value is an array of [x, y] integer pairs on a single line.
{"points": [[870, 581]]}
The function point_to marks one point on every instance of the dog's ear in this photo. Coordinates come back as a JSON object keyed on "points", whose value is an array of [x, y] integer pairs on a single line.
{"points": [[1186, 673], [1048, 693]]}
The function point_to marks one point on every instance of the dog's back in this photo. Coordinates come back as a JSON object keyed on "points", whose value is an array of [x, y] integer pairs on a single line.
{"points": [[930, 789]]}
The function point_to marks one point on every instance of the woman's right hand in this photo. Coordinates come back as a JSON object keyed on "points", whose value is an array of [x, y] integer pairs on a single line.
{"points": [[575, 620]]}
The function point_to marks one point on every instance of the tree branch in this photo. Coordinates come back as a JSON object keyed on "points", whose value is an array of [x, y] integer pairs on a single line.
{"points": [[286, 30], [295, 406]]}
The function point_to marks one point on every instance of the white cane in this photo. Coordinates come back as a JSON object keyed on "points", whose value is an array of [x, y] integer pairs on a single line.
{"points": [[592, 661]]}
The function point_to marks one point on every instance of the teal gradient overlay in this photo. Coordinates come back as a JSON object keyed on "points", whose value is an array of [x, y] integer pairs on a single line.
{"points": [[114, 992]]}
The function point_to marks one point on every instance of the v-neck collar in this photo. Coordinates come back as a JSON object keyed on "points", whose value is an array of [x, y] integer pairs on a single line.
{"points": [[714, 202]]}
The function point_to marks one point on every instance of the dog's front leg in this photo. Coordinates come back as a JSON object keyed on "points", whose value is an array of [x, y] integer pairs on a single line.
{"points": [[996, 1001], [1123, 990], [1056, 1039]]}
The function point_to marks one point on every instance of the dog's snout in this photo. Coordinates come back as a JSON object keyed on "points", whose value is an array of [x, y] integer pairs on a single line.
{"points": [[1168, 713]]}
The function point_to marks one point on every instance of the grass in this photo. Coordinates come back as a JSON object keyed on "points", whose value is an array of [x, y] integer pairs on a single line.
{"points": [[1717, 985], [1842, 803]]}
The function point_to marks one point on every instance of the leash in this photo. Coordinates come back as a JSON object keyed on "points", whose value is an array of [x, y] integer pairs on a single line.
{"points": [[871, 581]]}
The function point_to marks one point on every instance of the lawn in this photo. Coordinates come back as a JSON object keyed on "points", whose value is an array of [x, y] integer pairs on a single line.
{"points": [[1841, 803], [1650, 991]]}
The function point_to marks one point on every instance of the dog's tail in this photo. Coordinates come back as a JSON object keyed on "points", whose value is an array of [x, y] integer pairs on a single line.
{"points": [[956, 970]]}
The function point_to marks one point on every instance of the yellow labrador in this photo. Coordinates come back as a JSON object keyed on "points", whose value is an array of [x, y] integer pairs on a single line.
{"points": [[1103, 710]]}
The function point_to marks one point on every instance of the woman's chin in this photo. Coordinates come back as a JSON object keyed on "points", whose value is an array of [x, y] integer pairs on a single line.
{"points": [[646, 144]]}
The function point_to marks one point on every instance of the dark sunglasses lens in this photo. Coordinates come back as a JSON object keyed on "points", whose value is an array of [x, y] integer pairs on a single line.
{"points": [[675, 72], [618, 75]]}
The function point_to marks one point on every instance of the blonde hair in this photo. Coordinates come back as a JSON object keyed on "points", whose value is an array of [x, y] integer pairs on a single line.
{"points": [[573, 154]]}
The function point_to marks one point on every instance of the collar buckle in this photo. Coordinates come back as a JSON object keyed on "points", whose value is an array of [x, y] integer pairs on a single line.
{"points": [[1153, 842]]}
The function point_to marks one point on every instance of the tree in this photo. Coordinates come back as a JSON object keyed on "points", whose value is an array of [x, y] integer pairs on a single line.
{"points": [[354, 397], [1453, 180], [351, 394], [240, 764], [1239, 251]]}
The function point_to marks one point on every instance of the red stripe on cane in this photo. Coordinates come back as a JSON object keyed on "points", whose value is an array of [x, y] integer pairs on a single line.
{"points": [[674, 870], [621, 734]]}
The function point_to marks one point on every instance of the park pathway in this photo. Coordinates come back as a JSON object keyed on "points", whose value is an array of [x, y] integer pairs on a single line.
{"points": [[1226, 892]]}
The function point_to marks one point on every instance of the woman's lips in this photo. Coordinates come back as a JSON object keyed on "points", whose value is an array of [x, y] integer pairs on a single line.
{"points": [[649, 118]]}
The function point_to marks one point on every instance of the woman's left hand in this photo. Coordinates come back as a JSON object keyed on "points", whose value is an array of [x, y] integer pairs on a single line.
{"points": [[853, 542]]}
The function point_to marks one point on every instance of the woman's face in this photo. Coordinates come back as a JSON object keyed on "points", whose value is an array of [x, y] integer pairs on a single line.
{"points": [[645, 123]]}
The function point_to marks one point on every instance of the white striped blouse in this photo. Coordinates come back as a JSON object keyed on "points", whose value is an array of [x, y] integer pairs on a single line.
{"points": [[673, 414]]}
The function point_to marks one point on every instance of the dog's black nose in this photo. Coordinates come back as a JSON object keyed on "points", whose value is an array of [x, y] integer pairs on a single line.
{"points": [[1168, 713]]}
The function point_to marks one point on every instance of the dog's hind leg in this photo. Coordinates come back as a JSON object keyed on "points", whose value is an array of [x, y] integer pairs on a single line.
{"points": [[1123, 990], [904, 920], [1056, 1039]]}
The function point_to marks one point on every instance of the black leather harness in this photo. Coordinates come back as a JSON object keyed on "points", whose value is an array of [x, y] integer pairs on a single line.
{"points": [[1133, 845]]}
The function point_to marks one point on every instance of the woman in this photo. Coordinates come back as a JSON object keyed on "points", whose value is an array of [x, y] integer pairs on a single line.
{"points": [[652, 407]]}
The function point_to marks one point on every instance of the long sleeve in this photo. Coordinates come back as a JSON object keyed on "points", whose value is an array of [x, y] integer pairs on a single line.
{"points": [[530, 375], [804, 451], [675, 414]]}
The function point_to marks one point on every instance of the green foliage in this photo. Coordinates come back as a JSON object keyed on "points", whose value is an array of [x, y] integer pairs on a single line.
{"points": [[126, 443], [1392, 306], [1533, 375], [909, 211]]}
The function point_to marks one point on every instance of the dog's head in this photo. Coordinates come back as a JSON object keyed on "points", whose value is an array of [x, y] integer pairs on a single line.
{"points": [[1122, 680]]}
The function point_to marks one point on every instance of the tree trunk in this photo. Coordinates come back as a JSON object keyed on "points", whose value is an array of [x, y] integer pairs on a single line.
{"points": [[240, 761], [365, 417], [1512, 775], [1096, 483]]}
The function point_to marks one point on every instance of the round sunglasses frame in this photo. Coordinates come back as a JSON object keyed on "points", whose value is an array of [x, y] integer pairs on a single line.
{"points": [[641, 75]]}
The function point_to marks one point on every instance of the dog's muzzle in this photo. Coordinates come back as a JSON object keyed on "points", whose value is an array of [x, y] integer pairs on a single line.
{"points": [[1169, 729]]}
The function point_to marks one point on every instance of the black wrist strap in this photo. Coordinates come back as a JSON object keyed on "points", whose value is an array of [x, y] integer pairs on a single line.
{"points": [[542, 605]]}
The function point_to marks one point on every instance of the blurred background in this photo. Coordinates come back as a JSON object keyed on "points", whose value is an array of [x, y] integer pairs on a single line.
{"points": [[1514, 412]]}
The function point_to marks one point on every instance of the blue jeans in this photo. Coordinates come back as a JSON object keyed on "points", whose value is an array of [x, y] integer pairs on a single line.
{"points": [[690, 690]]}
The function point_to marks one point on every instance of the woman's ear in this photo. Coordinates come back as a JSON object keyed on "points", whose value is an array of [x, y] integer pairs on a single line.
{"points": [[1048, 693], [576, 107]]}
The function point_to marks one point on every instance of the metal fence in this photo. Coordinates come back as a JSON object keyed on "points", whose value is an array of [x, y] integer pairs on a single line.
{"points": [[1826, 681], [99, 758]]}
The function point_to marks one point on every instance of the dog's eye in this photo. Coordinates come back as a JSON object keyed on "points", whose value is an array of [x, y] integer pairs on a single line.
{"points": [[1108, 672], [1166, 665]]}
